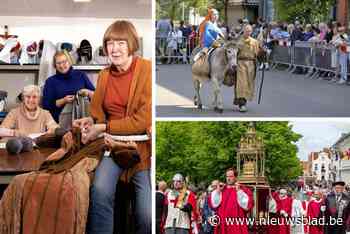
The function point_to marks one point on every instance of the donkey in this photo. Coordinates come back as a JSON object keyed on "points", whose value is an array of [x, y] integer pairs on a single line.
{"points": [[223, 63]]}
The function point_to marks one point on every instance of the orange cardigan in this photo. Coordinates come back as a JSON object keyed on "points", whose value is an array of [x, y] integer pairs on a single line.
{"points": [[138, 112]]}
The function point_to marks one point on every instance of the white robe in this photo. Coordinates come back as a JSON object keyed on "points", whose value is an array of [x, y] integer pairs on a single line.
{"points": [[297, 212], [46, 68]]}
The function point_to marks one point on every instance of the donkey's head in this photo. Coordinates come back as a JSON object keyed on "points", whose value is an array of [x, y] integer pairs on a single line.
{"points": [[231, 52]]}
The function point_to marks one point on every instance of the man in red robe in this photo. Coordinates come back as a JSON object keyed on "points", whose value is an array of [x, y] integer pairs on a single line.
{"points": [[315, 212], [284, 210], [305, 205], [231, 202]]}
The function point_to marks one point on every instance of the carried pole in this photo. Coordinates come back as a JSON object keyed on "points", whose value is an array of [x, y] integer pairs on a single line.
{"points": [[261, 83], [263, 71]]}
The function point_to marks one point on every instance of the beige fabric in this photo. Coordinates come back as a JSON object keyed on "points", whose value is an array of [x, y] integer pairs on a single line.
{"points": [[201, 65], [17, 119], [246, 69]]}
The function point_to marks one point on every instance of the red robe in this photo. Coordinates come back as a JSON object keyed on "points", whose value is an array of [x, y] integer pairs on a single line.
{"points": [[286, 205], [314, 211], [273, 229], [229, 208]]}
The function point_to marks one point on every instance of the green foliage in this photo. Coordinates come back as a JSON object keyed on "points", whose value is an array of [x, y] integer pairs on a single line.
{"points": [[308, 11], [173, 9], [204, 150]]}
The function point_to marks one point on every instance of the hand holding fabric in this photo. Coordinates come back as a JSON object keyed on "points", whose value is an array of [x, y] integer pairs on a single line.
{"points": [[83, 123], [85, 92], [68, 99], [67, 141], [91, 132], [117, 145]]}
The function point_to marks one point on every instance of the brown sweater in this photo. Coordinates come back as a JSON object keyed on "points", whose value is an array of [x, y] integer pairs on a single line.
{"points": [[17, 119], [138, 117]]}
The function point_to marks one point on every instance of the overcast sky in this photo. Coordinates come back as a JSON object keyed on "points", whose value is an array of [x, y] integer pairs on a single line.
{"points": [[318, 134]]}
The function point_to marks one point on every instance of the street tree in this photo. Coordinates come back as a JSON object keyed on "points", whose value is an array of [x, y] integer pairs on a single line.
{"points": [[307, 11], [204, 150]]}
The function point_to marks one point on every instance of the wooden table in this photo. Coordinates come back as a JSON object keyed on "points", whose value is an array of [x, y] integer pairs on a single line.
{"points": [[11, 165]]}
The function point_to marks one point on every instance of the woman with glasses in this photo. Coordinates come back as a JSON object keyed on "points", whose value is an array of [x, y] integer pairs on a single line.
{"points": [[121, 105], [60, 88]]}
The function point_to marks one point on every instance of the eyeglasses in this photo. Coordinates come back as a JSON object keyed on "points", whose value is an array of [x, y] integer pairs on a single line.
{"points": [[62, 62], [119, 43], [31, 96]]}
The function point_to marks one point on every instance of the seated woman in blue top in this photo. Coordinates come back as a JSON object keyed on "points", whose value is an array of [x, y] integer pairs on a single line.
{"points": [[209, 32], [60, 89]]}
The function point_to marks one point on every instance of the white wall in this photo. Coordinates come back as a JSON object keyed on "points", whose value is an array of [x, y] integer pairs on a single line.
{"points": [[322, 159], [72, 30], [59, 29], [344, 174]]}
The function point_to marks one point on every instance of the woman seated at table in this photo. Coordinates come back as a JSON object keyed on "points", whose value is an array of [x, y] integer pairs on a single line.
{"points": [[28, 118], [60, 89]]}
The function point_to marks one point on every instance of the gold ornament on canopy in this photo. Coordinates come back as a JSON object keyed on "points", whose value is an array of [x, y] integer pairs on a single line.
{"points": [[251, 158]]}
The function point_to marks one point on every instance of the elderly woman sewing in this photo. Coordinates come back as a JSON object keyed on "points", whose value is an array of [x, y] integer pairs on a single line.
{"points": [[60, 88], [28, 118]]}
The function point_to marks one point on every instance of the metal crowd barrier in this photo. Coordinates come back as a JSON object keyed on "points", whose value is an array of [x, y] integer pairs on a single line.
{"points": [[282, 55], [166, 54], [303, 54], [317, 57]]}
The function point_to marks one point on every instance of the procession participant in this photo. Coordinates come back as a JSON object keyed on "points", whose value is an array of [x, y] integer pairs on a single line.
{"points": [[248, 51], [315, 211], [160, 208], [181, 208], [209, 32], [337, 206], [208, 212], [284, 208], [273, 198], [231, 201], [305, 204], [297, 214]]}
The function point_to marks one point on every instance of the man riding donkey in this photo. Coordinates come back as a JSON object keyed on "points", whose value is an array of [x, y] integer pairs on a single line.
{"points": [[248, 51]]}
